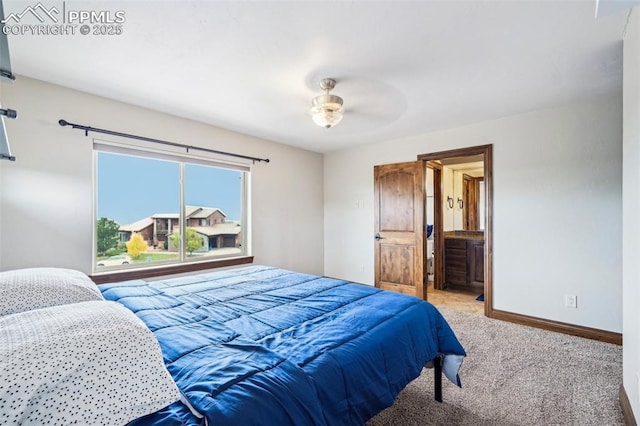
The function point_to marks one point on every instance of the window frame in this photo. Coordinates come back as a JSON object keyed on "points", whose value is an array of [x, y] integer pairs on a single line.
{"points": [[182, 264]]}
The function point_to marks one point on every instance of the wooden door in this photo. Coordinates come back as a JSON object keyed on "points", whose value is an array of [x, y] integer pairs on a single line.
{"points": [[471, 196], [399, 228]]}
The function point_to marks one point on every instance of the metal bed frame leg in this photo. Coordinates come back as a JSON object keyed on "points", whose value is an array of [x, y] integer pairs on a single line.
{"points": [[437, 376]]}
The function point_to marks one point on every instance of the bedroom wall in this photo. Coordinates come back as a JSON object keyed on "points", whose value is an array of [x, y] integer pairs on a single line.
{"points": [[46, 195], [631, 212], [557, 208]]}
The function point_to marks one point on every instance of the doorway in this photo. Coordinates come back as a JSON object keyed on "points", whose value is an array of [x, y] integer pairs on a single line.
{"points": [[402, 241], [458, 251]]}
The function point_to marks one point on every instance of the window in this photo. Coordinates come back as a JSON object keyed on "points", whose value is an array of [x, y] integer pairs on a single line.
{"points": [[154, 209]]}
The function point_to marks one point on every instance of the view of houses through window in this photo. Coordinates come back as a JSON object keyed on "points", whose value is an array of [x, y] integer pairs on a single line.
{"points": [[139, 211]]}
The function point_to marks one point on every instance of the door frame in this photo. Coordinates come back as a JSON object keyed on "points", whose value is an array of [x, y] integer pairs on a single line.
{"points": [[438, 237], [487, 153]]}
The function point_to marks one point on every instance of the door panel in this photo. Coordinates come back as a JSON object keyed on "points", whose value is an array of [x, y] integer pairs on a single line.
{"points": [[402, 258], [396, 202], [399, 227]]}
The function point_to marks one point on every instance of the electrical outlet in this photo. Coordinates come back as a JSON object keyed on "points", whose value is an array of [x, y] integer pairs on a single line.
{"points": [[571, 300]]}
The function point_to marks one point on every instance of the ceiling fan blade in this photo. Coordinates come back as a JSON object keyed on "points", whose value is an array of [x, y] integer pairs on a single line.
{"points": [[5, 150], [5, 75], [5, 61]]}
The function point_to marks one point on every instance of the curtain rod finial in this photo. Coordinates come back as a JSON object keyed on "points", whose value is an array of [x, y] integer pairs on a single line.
{"points": [[62, 122]]}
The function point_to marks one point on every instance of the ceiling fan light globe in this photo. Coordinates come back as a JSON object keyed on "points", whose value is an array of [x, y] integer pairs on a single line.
{"points": [[326, 118]]}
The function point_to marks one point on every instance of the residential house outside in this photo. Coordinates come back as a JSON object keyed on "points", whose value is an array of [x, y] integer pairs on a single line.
{"points": [[209, 222], [143, 227]]}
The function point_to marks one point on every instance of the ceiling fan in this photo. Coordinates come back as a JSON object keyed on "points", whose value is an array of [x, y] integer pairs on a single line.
{"points": [[326, 110], [5, 76]]}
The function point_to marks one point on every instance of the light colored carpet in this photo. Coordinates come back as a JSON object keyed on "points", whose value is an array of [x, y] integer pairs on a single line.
{"points": [[516, 375]]}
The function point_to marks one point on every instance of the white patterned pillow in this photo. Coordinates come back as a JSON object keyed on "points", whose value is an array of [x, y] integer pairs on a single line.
{"points": [[87, 363], [34, 288]]}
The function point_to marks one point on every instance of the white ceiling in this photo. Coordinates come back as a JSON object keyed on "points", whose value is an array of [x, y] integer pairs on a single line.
{"points": [[403, 68]]}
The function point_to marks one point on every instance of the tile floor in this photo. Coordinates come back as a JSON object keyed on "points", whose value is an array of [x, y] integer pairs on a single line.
{"points": [[454, 299]]}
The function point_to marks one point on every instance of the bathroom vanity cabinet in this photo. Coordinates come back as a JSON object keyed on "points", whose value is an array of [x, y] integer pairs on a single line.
{"points": [[464, 260]]}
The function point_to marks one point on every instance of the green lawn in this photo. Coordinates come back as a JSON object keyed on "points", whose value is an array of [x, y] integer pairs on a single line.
{"points": [[155, 257]]}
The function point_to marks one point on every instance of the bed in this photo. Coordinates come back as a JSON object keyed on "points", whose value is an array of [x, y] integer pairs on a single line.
{"points": [[254, 345], [262, 345]]}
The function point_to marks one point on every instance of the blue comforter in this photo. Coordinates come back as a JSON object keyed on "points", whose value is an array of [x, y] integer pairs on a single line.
{"points": [[260, 345]]}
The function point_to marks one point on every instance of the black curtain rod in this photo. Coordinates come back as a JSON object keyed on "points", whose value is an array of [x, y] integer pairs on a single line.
{"points": [[88, 129]]}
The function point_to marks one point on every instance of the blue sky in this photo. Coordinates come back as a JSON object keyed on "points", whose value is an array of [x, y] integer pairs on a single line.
{"points": [[132, 188]]}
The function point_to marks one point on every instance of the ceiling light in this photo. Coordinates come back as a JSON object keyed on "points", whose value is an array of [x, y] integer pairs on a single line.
{"points": [[326, 110]]}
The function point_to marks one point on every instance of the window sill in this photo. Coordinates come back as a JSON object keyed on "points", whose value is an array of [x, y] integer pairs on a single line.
{"points": [[110, 277]]}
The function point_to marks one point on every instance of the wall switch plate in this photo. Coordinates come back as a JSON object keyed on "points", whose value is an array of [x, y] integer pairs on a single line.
{"points": [[571, 300]]}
